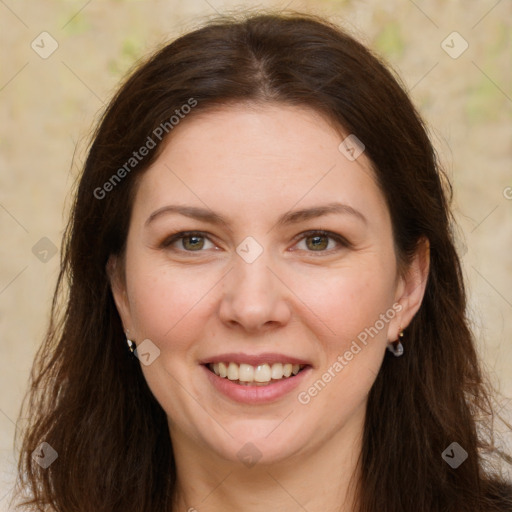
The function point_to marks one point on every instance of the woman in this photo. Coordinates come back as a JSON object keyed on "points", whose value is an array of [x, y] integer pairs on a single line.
{"points": [[265, 309]]}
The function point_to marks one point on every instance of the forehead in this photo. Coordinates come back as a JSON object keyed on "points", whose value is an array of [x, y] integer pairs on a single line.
{"points": [[258, 156]]}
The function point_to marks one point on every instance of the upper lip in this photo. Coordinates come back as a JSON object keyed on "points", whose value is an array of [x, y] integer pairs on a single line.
{"points": [[254, 359]]}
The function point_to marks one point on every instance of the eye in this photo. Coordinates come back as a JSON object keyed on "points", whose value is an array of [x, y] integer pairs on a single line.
{"points": [[321, 241], [188, 241], [312, 241]]}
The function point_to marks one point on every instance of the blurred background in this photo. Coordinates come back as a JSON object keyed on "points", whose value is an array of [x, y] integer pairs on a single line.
{"points": [[62, 60]]}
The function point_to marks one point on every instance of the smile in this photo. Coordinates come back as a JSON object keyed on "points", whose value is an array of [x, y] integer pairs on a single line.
{"points": [[255, 375]]}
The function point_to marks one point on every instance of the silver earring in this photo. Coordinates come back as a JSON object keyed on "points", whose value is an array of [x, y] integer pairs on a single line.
{"points": [[396, 347], [130, 343]]}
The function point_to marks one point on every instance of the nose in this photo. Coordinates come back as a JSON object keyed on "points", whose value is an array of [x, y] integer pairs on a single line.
{"points": [[254, 298]]}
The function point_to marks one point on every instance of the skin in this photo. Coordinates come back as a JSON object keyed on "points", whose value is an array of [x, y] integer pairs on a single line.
{"points": [[251, 164]]}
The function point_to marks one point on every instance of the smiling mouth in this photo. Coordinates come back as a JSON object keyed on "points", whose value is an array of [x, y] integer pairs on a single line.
{"points": [[259, 375]]}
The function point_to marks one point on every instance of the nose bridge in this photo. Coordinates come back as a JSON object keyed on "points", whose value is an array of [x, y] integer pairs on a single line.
{"points": [[252, 295], [254, 277]]}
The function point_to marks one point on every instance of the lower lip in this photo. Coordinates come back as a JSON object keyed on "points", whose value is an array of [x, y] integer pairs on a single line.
{"points": [[255, 394]]}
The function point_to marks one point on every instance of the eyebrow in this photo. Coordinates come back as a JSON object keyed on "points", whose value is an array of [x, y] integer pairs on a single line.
{"points": [[289, 218]]}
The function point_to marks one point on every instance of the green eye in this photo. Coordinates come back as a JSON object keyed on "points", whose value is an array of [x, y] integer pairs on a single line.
{"points": [[192, 242], [321, 241], [312, 242], [317, 242], [188, 242]]}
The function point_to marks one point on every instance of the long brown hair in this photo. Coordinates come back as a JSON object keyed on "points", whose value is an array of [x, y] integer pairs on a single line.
{"points": [[89, 400]]}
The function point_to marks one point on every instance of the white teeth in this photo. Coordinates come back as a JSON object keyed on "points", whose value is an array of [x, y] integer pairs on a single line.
{"points": [[255, 375], [223, 370], [262, 373], [245, 373], [277, 371], [233, 371]]}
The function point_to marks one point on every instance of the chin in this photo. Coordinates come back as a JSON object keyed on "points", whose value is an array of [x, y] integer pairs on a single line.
{"points": [[259, 442]]}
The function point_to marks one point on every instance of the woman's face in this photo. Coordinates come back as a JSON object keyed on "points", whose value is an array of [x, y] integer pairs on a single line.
{"points": [[290, 262]]}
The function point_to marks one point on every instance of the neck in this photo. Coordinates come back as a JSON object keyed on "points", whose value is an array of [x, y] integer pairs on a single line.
{"points": [[319, 479]]}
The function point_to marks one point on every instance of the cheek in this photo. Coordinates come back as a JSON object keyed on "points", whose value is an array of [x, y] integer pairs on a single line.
{"points": [[163, 299], [348, 302], [357, 307], [336, 304], [169, 307]]}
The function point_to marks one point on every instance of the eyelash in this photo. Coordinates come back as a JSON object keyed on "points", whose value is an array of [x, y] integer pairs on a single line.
{"points": [[307, 234]]}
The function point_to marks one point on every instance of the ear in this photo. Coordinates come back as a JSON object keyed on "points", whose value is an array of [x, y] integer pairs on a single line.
{"points": [[411, 288], [118, 287]]}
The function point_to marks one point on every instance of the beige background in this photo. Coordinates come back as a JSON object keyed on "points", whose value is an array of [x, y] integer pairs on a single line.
{"points": [[48, 107]]}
